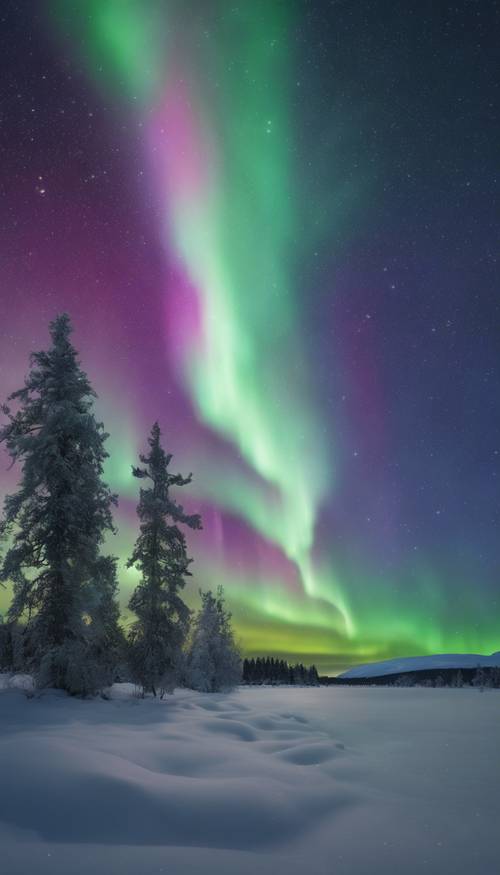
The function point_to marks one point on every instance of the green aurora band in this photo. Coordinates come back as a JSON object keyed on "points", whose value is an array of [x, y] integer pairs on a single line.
{"points": [[239, 373], [210, 92]]}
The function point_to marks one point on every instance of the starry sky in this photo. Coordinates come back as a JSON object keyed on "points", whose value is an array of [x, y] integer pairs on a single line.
{"points": [[275, 226]]}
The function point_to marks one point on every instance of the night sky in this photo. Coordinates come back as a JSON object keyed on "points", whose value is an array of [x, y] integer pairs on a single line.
{"points": [[275, 227]]}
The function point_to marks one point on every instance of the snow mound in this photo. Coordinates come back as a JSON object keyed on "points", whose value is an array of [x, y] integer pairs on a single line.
{"points": [[17, 682], [421, 663]]}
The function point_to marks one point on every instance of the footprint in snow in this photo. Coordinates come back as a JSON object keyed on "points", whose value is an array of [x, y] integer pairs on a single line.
{"points": [[308, 754], [231, 728]]}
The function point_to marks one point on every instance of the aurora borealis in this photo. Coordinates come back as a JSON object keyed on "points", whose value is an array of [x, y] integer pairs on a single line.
{"points": [[274, 226]]}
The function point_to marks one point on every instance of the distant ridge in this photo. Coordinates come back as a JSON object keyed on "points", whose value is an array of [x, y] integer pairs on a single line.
{"points": [[423, 663]]}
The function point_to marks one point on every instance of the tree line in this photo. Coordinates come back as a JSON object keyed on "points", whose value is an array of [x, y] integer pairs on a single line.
{"points": [[63, 622], [267, 670], [480, 677]]}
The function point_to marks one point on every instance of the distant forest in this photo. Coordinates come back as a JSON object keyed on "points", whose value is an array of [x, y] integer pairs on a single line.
{"points": [[267, 670], [481, 677]]}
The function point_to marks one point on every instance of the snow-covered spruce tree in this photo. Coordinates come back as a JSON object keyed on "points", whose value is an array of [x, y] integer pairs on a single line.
{"points": [[58, 518], [313, 678], [213, 661], [11, 647], [103, 617], [5, 646], [481, 679], [157, 637]]}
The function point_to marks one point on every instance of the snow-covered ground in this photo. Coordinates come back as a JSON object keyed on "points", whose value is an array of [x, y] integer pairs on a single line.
{"points": [[419, 663], [318, 781]]}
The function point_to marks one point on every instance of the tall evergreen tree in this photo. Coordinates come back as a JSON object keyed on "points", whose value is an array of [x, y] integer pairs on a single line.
{"points": [[58, 518], [157, 637], [214, 663], [313, 676]]}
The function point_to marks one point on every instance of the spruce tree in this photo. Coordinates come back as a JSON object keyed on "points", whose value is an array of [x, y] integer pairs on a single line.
{"points": [[58, 518], [249, 671], [103, 616], [258, 670], [214, 663], [158, 635], [479, 680], [313, 676], [5, 646]]}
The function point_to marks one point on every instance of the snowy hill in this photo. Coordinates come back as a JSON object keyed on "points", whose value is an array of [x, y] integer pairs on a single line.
{"points": [[423, 663]]}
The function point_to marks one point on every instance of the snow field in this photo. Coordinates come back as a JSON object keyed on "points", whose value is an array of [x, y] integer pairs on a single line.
{"points": [[274, 780]]}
